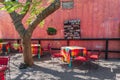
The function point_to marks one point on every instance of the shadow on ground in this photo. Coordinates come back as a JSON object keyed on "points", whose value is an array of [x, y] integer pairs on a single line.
{"points": [[46, 69]]}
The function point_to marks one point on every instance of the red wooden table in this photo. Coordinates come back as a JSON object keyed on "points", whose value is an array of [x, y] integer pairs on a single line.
{"points": [[36, 50], [70, 52], [4, 47]]}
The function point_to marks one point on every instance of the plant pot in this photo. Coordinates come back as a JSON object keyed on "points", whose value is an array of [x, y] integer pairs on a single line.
{"points": [[51, 33]]}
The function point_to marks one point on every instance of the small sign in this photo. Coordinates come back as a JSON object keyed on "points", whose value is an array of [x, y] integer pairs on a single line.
{"points": [[67, 4], [72, 29]]}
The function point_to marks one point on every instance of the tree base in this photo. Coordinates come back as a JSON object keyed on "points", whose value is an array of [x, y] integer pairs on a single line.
{"points": [[23, 66]]}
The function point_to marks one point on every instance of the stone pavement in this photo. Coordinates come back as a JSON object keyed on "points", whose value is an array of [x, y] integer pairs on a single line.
{"points": [[47, 69]]}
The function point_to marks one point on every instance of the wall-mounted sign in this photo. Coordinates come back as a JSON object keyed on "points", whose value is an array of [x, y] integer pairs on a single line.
{"points": [[67, 4], [72, 29]]}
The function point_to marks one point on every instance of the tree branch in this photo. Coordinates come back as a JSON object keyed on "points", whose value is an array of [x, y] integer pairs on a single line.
{"points": [[17, 21], [46, 12], [22, 15]]}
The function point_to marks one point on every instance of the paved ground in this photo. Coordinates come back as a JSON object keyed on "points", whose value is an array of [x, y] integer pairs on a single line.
{"points": [[47, 69]]}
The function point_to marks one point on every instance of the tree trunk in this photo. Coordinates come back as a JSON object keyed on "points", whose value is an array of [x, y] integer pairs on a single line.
{"points": [[24, 33], [27, 54], [1, 0]]}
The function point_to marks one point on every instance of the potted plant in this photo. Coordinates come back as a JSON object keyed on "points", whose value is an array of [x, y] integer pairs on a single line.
{"points": [[51, 31]]}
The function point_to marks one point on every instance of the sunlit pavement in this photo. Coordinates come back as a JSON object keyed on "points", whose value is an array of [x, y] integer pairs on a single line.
{"points": [[47, 69]]}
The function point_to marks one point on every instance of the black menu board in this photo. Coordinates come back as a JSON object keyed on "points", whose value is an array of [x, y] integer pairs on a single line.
{"points": [[72, 29]]}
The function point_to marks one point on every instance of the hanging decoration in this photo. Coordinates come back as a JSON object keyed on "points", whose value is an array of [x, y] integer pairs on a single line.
{"points": [[51, 31]]}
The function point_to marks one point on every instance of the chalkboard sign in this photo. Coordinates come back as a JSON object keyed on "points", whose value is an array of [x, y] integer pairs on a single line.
{"points": [[72, 29]]}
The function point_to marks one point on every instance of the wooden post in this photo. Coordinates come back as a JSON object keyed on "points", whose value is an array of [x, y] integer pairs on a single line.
{"points": [[106, 49]]}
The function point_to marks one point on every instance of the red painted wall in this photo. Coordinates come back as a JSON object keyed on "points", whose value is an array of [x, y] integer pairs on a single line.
{"points": [[99, 19]]}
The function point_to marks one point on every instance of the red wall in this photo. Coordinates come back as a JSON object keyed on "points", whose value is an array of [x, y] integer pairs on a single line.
{"points": [[99, 19]]}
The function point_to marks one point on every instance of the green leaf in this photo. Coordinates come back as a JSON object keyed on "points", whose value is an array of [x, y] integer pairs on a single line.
{"points": [[12, 9], [29, 20], [42, 23], [25, 8], [3, 8], [10, 6]]}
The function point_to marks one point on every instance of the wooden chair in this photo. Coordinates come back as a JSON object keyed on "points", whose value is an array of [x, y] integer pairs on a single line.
{"points": [[46, 49], [15, 47], [2, 77], [83, 57], [94, 56], [4, 63], [2, 72], [56, 56]]}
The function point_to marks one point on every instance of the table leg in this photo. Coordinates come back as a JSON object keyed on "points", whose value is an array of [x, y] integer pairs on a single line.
{"points": [[39, 52], [70, 64], [8, 50], [38, 55]]}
